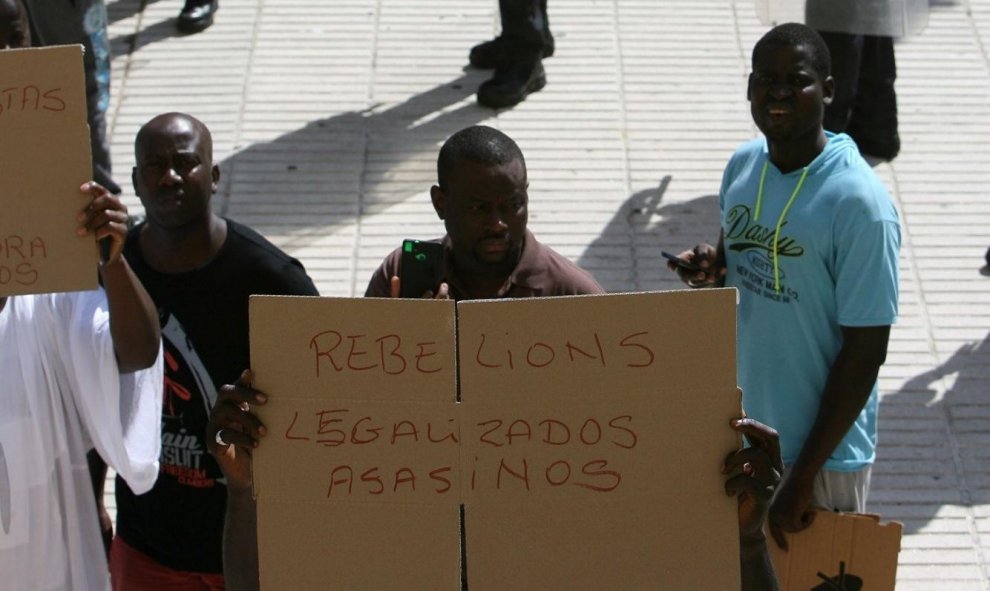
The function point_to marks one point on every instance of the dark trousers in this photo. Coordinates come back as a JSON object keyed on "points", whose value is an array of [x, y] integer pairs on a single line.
{"points": [[60, 22], [525, 23], [865, 104]]}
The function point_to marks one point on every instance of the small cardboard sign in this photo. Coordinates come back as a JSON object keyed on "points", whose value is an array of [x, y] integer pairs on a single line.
{"points": [[46, 157], [588, 426], [840, 552]]}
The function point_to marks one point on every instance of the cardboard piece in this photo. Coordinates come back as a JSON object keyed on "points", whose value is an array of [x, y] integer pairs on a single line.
{"points": [[354, 483], [840, 552], [636, 483], [588, 426], [46, 157]]}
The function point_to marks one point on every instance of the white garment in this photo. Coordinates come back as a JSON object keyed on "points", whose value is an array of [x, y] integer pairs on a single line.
{"points": [[60, 395]]}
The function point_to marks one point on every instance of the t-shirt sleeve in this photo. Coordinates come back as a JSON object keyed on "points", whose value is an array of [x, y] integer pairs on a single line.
{"points": [[121, 413], [867, 244], [380, 285], [728, 176], [295, 281], [586, 284]]}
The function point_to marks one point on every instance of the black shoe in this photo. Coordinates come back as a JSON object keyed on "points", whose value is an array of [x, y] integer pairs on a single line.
{"points": [[491, 54], [510, 85], [197, 15]]}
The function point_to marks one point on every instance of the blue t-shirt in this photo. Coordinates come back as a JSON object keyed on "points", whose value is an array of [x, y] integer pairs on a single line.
{"points": [[837, 266]]}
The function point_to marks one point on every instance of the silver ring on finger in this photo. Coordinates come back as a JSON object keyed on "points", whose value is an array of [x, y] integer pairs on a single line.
{"points": [[219, 438]]}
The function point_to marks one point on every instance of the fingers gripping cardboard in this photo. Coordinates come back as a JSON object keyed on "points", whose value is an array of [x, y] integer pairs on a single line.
{"points": [[587, 427]]}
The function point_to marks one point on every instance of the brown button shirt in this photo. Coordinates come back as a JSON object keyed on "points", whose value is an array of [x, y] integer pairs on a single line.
{"points": [[541, 272]]}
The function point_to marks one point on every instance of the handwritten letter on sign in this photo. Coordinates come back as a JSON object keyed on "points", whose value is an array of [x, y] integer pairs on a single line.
{"points": [[586, 426], [45, 157]]}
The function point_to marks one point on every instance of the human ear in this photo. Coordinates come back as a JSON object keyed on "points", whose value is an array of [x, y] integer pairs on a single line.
{"points": [[215, 173], [439, 201], [828, 90], [134, 181]]}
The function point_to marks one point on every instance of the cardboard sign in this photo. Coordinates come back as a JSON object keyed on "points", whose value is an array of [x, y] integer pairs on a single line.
{"points": [[45, 157], [355, 483], [840, 552], [589, 426]]}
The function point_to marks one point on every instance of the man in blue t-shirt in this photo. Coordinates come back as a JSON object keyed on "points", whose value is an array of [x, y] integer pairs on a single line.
{"points": [[810, 238]]}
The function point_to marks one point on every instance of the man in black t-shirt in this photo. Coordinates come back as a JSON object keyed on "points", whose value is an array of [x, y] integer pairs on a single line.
{"points": [[199, 269]]}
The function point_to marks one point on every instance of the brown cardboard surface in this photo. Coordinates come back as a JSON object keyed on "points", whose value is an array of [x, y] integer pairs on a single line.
{"points": [[46, 157], [354, 483], [595, 469], [840, 551], [591, 458]]}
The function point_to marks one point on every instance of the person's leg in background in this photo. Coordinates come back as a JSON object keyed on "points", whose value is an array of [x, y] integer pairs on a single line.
{"points": [[865, 104], [489, 54], [516, 54], [846, 51], [60, 22], [874, 117], [196, 15]]}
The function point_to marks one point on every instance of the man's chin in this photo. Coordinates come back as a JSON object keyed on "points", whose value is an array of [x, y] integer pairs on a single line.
{"points": [[491, 259], [497, 258]]}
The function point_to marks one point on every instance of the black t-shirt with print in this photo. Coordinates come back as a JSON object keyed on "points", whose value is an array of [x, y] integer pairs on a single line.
{"points": [[204, 319]]}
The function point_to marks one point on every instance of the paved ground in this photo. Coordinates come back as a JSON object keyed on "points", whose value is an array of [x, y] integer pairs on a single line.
{"points": [[327, 116]]}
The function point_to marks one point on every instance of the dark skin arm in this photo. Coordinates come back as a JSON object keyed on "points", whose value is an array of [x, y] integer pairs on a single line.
{"points": [[757, 470], [133, 318], [850, 382], [242, 432]]}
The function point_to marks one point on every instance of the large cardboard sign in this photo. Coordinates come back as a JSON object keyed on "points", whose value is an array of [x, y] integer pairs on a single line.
{"points": [[584, 449], [840, 552], [45, 157]]}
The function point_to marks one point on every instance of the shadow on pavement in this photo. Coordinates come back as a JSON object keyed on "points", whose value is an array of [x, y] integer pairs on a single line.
{"points": [[626, 254], [938, 420]]}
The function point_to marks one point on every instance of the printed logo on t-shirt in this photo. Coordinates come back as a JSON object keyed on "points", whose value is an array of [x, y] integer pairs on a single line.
{"points": [[754, 243], [189, 394]]}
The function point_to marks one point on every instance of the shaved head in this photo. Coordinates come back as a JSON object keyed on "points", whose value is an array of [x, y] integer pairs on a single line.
{"points": [[175, 124], [174, 174]]}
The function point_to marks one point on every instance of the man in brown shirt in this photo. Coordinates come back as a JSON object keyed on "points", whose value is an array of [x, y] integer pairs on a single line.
{"points": [[487, 253], [481, 196]]}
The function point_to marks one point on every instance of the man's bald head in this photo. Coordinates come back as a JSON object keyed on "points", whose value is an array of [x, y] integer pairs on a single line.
{"points": [[175, 125]]}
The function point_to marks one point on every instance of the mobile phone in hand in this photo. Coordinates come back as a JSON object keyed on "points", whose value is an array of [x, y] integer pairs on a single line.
{"points": [[682, 263], [419, 267]]}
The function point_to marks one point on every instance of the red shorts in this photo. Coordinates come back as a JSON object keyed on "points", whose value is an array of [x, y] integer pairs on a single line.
{"points": [[131, 570]]}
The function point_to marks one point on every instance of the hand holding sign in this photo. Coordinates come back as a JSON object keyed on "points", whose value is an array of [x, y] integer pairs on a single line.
{"points": [[105, 217], [759, 468], [791, 510], [234, 430]]}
